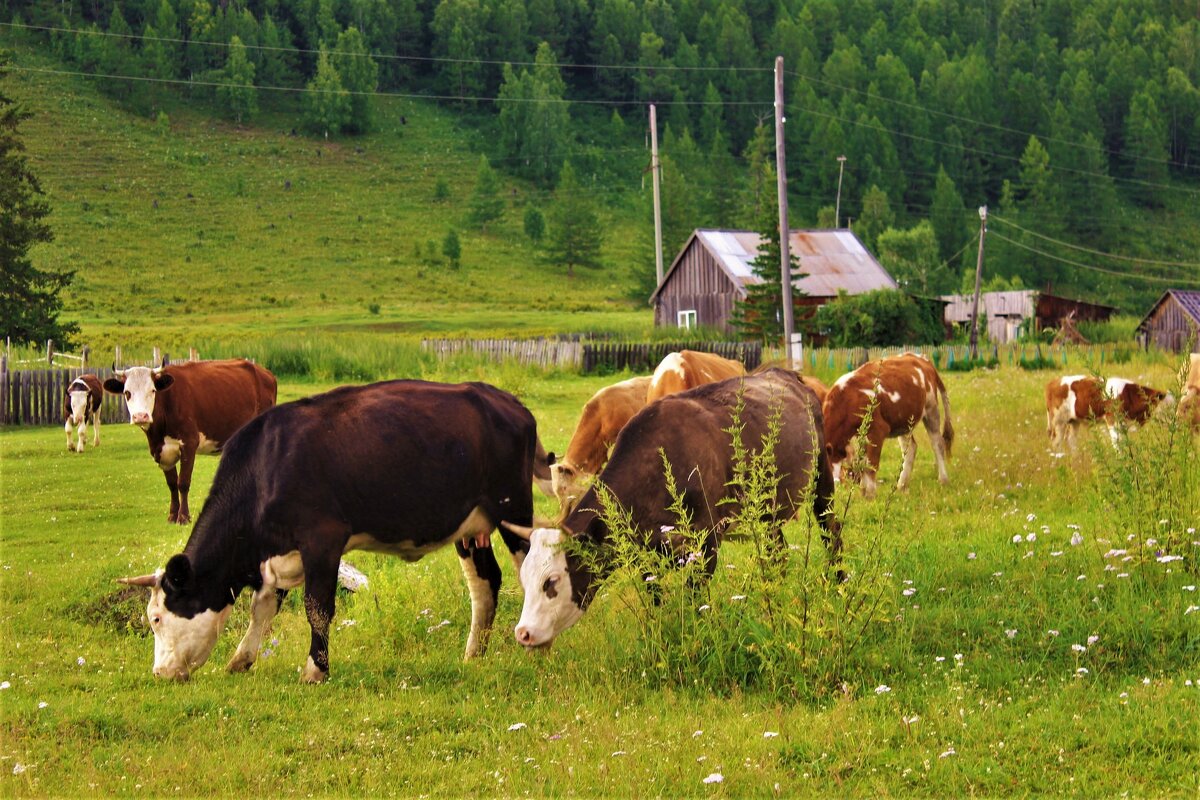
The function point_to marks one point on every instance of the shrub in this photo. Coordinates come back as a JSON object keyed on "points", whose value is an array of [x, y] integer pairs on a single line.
{"points": [[878, 318]]}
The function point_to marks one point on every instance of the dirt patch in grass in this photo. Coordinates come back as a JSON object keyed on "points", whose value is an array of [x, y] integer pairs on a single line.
{"points": [[122, 610]]}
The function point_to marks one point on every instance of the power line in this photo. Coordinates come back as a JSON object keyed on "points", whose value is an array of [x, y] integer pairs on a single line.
{"points": [[386, 56], [1126, 275], [1150, 261]]}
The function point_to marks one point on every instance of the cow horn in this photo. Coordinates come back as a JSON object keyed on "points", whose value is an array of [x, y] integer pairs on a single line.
{"points": [[120, 373], [141, 580], [519, 530]]}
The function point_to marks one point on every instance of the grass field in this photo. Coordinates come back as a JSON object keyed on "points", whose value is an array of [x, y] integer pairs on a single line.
{"points": [[981, 677]]}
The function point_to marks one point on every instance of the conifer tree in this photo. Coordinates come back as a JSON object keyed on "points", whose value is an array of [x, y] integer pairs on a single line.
{"points": [[360, 78], [575, 235], [486, 203], [327, 105], [237, 92]]}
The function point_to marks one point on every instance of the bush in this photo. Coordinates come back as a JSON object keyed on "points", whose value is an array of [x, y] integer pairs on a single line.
{"points": [[879, 318]]}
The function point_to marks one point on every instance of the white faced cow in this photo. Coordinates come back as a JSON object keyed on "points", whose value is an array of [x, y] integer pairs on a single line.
{"points": [[897, 392], [691, 429], [81, 403], [401, 467], [189, 408]]}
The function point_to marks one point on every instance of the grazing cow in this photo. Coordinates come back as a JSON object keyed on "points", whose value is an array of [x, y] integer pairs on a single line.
{"points": [[603, 418], [819, 389], [691, 429], [190, 408], [400, 467], [1076, 400], [1189, 404], [900, 390], [81, 402], [688, 369]]}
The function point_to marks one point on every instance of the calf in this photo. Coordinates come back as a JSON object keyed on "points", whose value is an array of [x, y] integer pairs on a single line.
{"points": [[691, 430], [897, 392], [81, 402], [1076, 400], [190, 408], [603, 418], [401, 467], [688, 369]]}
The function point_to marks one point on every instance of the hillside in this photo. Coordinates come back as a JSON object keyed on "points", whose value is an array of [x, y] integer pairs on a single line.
{"points": [[199, 230]]}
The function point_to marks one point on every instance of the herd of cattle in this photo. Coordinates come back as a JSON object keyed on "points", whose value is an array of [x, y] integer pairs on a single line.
{"points": [[406, 467]]}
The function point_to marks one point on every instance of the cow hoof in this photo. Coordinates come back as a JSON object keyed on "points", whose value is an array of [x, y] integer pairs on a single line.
{"points": [[313, 674], [239, 663]]}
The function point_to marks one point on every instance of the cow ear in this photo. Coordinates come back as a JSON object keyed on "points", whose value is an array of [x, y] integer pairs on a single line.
{"points": [[114, 385], [550, 459], [178, 575], [163, 381]]}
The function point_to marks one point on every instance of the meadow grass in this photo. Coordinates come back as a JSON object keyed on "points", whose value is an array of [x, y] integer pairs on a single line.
{"points": [[973, 683]]}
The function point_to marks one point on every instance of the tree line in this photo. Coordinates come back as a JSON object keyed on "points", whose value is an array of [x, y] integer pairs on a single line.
{"points": [[1068, 117]]}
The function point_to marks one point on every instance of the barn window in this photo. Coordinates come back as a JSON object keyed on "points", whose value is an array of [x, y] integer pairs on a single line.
{"points": [[687, 319]]}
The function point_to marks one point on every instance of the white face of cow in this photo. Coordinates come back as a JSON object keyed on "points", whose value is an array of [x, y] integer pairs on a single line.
{"points": [[549, 608], [79, 401], [182, 644], [142, 385]]}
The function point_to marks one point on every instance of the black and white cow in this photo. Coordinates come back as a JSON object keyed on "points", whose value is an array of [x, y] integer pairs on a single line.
{"points": [[81, 403], [400, 467], [690, 429]]}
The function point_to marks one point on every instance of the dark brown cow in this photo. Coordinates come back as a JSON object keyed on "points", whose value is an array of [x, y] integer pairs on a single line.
{"points": [[903, 389], [691, 429], [1076, 400], [81, 402], [687, 369], [189, 408], [602, 420], [401, 467]]}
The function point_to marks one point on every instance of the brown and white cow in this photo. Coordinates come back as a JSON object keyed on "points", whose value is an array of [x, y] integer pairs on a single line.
{"points": [[602, 419], [189, 408], [1189, 404], [81, 402], [1075, 400], [691, 430], [903, 390], [400, 467], [687, 369]]}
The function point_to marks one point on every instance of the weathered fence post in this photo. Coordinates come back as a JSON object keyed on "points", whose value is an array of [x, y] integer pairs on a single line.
{"points": [[50, 352], [117, 356], [85, 353]]}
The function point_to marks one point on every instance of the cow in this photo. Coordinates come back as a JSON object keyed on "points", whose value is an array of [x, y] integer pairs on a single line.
{"points": [[898, 391], [602, 419], [688, 369], [1075, 400], [691, 430], [401, 467], [818, 388], [81, 402], [189, 408], [1189, 403]]}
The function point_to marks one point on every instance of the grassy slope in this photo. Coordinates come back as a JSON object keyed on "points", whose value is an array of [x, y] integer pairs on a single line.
{"points": [[403, 715], [218, 232]]}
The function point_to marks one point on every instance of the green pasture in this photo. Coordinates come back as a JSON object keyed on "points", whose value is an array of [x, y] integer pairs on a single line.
{"points": [[971, 683]]}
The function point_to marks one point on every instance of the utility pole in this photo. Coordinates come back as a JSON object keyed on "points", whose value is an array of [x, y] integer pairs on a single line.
{"points": [[837, 208], [978, 278], [654, 166], [785, 256]]}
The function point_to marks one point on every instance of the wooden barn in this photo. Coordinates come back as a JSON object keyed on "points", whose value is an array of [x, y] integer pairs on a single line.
{"points": [[714, 267], [1174, 321], [1003, 314]]}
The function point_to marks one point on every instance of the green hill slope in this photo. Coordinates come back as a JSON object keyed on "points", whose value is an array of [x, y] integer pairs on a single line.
{"points": [[193, 229]]}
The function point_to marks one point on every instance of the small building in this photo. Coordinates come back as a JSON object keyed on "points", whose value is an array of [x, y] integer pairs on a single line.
{"points": [[1007, 312], [714, 267], [1174, 321]]}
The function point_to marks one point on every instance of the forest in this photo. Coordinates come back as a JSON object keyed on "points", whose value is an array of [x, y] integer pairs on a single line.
{"points": [[1077, 122]]}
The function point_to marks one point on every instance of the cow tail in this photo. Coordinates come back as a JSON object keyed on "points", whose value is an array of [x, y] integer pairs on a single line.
{"points": [[947, 426]]}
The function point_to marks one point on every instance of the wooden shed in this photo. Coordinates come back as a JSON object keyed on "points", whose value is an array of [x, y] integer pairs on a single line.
{"points": [[714, 267], [1003, 314], [1174, 321]]}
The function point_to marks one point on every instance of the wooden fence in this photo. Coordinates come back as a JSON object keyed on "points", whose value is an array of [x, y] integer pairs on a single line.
{"points": [[35, 396], [532, 352], [945, 356], [587, 357]]}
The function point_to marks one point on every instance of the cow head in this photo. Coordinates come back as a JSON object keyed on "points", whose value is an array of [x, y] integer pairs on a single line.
{"points": [[185, 625], [558, 588], [77, 399], [139, 385], [841, 461], [566, 483]]}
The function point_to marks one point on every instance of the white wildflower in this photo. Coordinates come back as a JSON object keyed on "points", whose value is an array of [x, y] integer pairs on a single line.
{"points": [[516, 726], [882, 689], [714, 777]]}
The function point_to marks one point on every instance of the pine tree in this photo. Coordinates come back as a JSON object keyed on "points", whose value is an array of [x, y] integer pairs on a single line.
{"points": [[575, 233], [30, 301], [452, 248], [360, 77], [486, 202], [535, 122], [237, 92], [1146, 148], [948, 216], [535, 224], [327, 104]]}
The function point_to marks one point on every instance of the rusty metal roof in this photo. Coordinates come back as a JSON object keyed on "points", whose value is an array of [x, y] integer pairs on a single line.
{"points": [[831, 260]]}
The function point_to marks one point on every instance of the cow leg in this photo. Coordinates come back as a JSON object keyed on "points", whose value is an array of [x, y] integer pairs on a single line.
{"points": [[908, 452], [96, 429], [172, 476], [187, 459], [264, 605], [82, 431], [483, 582], [320, 585], [933, 425], [67, 428]]}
